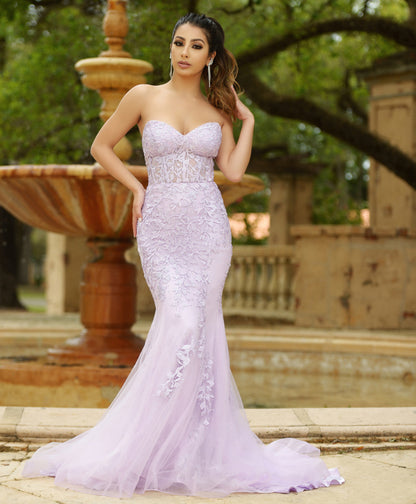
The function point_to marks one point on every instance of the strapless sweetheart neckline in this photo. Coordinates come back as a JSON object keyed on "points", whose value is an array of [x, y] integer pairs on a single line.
{"points": [[177, 131]]}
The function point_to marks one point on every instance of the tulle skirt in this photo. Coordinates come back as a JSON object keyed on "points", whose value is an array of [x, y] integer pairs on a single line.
{"points": [[178, 424]]}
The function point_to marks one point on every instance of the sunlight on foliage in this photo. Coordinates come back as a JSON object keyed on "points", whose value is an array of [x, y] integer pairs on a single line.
{"points": [[46, 115]]}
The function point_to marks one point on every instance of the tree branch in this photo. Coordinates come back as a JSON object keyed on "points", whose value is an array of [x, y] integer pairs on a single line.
{"points": [[352, 134], [270, 150], [288, 8], [3, 52], [283, 165], [401, 33], [193, 6], [412, 12], [347, 102], [365, 8]]}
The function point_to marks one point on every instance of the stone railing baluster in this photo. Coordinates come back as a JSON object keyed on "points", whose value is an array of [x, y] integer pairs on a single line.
{"points": [[259, 283]]}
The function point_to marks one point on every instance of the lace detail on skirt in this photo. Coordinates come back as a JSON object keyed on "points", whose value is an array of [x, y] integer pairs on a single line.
{"points": [[178, 275], [205, 392], [176, 250], [183, 358]]}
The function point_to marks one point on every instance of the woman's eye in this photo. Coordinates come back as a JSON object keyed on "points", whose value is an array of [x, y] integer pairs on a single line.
{"points": [[178, 43], [196, 46]]}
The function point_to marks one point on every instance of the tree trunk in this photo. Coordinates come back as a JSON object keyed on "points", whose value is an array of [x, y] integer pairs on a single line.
{"points": [[9, 261]]}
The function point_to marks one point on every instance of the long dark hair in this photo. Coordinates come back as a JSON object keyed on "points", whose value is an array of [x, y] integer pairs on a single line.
{"points": [[224, 68]]}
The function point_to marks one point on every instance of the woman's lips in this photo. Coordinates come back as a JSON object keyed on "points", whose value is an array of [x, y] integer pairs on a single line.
{"points": [[183, 64]]}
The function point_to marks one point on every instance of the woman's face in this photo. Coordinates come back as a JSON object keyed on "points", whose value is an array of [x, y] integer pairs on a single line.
{"points": [[190, 50]]}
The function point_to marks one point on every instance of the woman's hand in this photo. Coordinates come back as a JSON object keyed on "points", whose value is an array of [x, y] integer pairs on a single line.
{"points": [[138, 200], [241, 111]]}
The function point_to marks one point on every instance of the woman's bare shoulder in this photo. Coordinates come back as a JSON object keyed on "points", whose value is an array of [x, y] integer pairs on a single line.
{"points": [[142, 97], [147, 94], [141, 90]]}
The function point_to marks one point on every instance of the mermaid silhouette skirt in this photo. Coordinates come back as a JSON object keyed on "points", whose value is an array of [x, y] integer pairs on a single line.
{"points": [[178, 424]]}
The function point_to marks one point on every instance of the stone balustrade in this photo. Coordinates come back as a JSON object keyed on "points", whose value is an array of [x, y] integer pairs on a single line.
{"points": [[259, 282], [332, 276]]}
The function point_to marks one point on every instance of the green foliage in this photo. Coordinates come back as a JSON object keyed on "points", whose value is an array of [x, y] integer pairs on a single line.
{"points": [[332, 202], [248, 238], [46, 115], [252, 203], [38, 254], [257, 202]]}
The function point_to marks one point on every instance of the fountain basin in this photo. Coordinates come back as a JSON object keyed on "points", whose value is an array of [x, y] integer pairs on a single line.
{"points": [[86, 201], [274, 366], [75, 200], [112, 72]]}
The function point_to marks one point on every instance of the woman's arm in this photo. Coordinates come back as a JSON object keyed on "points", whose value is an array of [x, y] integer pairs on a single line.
{"points": [[233, 158], [124, 118]]}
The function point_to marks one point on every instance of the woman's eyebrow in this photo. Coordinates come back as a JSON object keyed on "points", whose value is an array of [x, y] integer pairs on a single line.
{"points": [[192, 40]]}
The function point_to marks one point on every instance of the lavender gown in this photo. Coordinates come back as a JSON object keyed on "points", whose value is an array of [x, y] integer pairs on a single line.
{"points": [[178, 424]]}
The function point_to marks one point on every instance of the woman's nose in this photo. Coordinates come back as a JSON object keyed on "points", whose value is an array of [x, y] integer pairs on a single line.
{"points": [[185, 51]]}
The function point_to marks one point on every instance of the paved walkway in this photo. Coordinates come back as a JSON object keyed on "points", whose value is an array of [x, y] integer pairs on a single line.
{"points": [[371, 478], [374, 449]]}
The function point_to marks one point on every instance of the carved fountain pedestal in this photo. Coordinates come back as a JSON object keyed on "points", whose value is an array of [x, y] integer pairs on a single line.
{"points": [[80, 200], [85, 201], [108, 308]]}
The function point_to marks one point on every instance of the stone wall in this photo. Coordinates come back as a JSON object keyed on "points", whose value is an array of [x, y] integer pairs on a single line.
{"points": [[345, 277], [392, 116], [354, 277], [65, 256]]}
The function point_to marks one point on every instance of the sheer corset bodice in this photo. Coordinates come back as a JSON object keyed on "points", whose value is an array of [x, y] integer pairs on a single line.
{"points": [[175, 157]]}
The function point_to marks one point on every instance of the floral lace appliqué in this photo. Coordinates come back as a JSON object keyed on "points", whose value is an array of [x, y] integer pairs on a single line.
{"points": [[184, 227], [205, 394], [183, 358]]}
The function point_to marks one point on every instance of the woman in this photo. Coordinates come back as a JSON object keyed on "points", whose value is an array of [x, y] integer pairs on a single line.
{"points": [[178, 425]]}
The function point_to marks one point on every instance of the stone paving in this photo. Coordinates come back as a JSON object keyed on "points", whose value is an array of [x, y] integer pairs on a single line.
{"points": [[387, 477], [374, 449]]}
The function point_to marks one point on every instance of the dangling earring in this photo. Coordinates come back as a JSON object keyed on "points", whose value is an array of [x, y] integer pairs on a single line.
{"points": [[171, 67], [209, 72]]}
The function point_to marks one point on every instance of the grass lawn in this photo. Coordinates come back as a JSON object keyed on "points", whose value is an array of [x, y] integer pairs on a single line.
{"points": [[33, 298]]}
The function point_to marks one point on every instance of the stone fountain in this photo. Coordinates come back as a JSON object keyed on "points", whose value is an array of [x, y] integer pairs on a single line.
{"points": [[85, 201]]}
